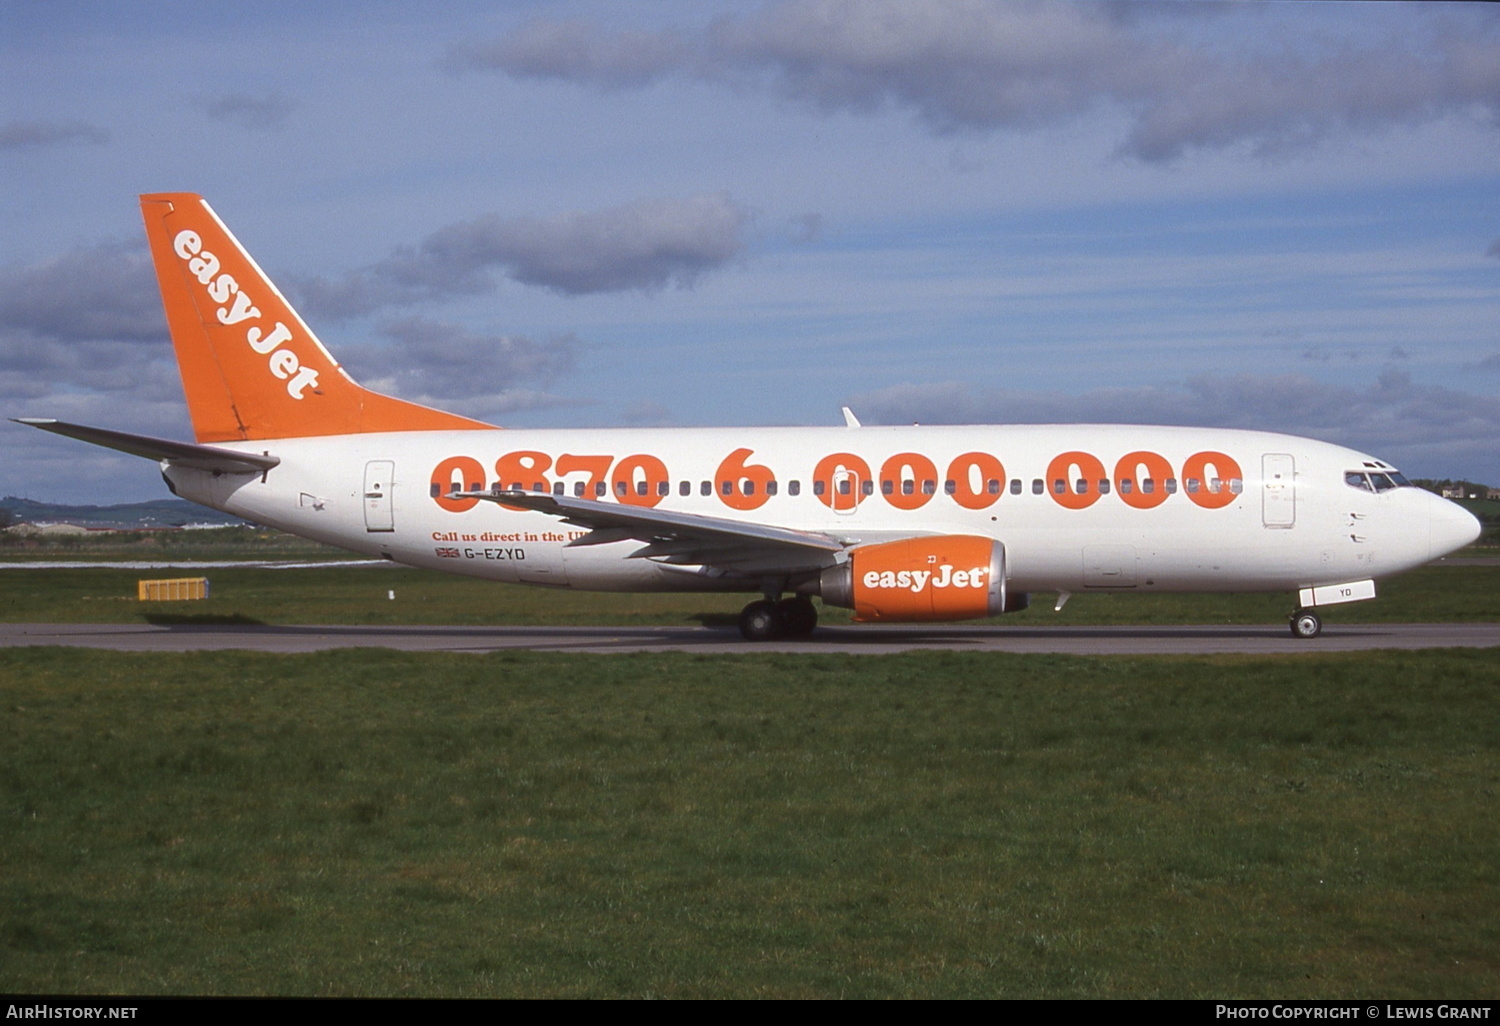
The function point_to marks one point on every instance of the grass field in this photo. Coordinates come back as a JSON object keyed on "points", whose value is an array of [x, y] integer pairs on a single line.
{"points": [[935, 824], [927, 825], [337, 595]]}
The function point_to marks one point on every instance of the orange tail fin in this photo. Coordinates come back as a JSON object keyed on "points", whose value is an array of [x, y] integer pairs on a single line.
{"points": [[250, 367]]}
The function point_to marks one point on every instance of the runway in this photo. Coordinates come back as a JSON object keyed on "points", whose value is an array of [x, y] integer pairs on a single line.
{"points": [[861, 640]]}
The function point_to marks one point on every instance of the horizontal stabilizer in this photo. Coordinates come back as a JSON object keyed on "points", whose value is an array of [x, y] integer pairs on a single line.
{"points": [[182, 454]]}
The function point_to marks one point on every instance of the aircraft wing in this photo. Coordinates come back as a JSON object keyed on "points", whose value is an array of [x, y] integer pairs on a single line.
{"points": [[688, 539], [184, 454]]}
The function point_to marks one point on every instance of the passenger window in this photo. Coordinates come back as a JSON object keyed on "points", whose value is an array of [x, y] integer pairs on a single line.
{"points": [[1060, 486], [770, 487], [663, 487], [1192, 486], [994, 486], [727, 487], [685, 488], [1148, 486], [600, 489], [1171, 484], [887, 487], [749, 488], [819, 488], [1037, 486], [707, 488], [929, 487], [1015, 486], [794, 487], [621, 488], [437, 489], [1104, 486], [1236, 485], [908, 487], [1081, 486], [558, 488], [844, 486], [1214, 484], [950, 486], [578, 489], [868, 487]]}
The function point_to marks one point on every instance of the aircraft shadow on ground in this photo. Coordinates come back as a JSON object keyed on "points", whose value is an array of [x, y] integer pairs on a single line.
{"points": [[203, 620]]}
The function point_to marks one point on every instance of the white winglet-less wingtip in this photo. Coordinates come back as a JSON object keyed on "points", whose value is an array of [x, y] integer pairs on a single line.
{"points": [[897, 523]]}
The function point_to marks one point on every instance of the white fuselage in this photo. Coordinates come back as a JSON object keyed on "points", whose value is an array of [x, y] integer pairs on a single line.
{"points": [[1223, 511]]}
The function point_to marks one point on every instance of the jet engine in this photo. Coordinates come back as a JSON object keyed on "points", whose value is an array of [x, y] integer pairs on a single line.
{"points": [[942, 577]]}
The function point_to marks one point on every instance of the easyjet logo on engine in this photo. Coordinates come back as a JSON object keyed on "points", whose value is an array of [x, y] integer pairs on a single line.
{"points": [[916, 580], [236, 307]]}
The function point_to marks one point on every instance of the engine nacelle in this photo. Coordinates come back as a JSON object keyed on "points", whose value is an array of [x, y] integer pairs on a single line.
{"points": [[943, 577]]}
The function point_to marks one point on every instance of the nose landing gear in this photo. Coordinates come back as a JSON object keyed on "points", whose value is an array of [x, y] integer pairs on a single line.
{"points": [[1306, 624], [768, 620]]}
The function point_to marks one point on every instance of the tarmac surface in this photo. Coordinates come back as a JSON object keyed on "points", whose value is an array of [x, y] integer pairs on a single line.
{"points": [[868, 640]]}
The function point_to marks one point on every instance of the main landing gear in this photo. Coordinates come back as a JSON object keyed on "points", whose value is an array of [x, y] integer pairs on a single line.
{"points": [[768, 620], [1306, 624]]}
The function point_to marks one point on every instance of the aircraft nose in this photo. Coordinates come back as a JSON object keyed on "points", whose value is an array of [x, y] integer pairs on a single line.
{"points": [[1450, 527]]}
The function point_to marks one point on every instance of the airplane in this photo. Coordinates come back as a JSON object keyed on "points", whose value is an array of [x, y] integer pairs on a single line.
{"points": [[899, 524]]}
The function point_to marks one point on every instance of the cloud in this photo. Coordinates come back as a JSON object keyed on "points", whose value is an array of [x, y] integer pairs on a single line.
{"points": [[806, 228], [986, 65], [104, 291], [21, 135], [645, 245], [1426, 428], [90, 319], [1494, 249], [575, 50], [446, 365], [645, 413], [261, 113]]}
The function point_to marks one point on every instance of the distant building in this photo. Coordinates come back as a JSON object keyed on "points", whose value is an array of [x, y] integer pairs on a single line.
{"points": [[47, 530]]}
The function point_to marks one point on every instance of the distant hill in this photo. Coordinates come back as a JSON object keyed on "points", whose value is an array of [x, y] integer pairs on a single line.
{"points": [[126, 515]]}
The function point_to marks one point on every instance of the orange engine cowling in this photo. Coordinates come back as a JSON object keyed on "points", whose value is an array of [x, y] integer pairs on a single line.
{"points": [[943, 577]]}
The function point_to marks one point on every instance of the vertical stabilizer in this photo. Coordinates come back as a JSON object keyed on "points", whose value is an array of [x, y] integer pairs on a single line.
{"points": [[250, 367]]}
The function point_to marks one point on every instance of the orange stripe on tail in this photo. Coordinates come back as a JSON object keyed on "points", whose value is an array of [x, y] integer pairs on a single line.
{"points": [[250, 366]]}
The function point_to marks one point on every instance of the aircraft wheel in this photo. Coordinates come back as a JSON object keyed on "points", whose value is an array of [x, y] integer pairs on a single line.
{"points": [[799, 616], [761, 621], [1306, 624]]}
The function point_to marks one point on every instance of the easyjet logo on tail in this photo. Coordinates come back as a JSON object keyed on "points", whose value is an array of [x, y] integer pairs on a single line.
{"points": [[236, 307]]}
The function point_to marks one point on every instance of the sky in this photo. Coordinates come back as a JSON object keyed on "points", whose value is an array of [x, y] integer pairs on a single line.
{"points": [[614, 214]]}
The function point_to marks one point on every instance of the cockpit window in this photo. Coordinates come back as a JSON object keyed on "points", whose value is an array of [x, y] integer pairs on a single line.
{"points": [[1375, 480]]}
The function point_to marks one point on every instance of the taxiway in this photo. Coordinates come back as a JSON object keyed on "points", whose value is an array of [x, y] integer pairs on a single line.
{"points": [[868, 640]]}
